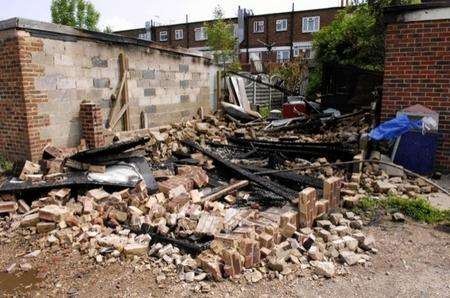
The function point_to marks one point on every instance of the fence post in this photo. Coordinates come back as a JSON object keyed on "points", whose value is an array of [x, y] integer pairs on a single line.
{"points": [[254, 93], [270, 99]]}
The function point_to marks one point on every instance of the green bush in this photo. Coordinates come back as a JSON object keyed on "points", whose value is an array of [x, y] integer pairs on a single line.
{"points": [[5, 164]]}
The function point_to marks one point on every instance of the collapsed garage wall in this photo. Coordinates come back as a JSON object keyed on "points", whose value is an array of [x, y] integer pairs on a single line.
{"points": [[57, 67]]}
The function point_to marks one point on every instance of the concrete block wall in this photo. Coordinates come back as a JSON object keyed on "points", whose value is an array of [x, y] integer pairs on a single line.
{"points": [[54, 76]]}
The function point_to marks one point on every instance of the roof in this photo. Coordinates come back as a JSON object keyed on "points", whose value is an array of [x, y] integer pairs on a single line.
{"points": [[50, 30], [391, 13]]}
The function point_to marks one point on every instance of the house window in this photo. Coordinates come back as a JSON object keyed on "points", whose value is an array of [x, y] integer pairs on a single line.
{"points": [[281, 25], [200, 34], [310, 24], [178, 34], [258, 26], [145, 36], [305, 51], [163, 36], [283, 55], [256, 56]]}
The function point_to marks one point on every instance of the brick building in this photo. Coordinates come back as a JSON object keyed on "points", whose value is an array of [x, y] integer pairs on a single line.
{"points": [[417, 65], [57, 83], [288, 33]]}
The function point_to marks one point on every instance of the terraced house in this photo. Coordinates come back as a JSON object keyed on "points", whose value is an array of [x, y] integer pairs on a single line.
{"points": [[275, 37]]}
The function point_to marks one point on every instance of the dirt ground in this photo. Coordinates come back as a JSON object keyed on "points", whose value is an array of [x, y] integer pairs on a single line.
{"points": [[441, 200], [413, 261]]}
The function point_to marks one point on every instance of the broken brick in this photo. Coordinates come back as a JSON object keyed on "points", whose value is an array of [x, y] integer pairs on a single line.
{"points": [[8, 207], [266, 240], [52, 213], [29, 168], [197, 174], [169, 184], [307, 207], [44, 227], [97, 194], [209, 224], [332, 191], [29, 220]]}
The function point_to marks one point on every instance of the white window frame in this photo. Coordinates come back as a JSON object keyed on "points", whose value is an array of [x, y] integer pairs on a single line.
{"points": [[306, 50], [179, 34], [200, 34], [258, 26], [306, 24], [281, 57], [281, 25], [163, 33]]}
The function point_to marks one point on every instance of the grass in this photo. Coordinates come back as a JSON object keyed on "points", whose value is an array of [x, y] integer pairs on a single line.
{"points": [[416, 208], [5, 164], [264, 111]]}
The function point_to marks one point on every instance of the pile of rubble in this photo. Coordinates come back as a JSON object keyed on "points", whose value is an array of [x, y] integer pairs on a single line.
{"points": [[107, 226], [181, 212]]}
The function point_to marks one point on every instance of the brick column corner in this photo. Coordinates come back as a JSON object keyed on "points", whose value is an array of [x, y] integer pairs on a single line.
{"points": [[91, 119]]}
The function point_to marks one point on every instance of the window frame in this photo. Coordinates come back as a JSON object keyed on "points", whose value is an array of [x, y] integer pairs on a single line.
{"points": [[281, 21], [255, 26], [166, 34], [305, 24], [204, 34], [176, 35], [281, 59]]}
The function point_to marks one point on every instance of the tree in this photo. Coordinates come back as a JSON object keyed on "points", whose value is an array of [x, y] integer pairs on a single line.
{"points": [[222, 41], [355, 37], [75, 13], [108, 29]]}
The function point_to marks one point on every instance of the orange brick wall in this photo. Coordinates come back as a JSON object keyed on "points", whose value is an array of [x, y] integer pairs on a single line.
{"points": [[19, 117], [417, 71]]}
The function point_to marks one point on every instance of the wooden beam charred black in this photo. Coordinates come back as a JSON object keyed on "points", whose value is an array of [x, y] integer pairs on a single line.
{"points": [[329, 150], [264, 183], [289, 177]]}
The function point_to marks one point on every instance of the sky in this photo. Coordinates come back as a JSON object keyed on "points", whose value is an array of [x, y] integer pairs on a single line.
{"points": [[127, 14]]}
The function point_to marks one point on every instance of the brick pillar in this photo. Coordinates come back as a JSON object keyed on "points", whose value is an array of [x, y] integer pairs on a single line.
{"points": [[307, 207], [92, 124], [332, 191]]}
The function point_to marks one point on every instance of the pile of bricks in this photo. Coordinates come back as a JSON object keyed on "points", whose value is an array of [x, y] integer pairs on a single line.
{"points": [[103, 225]]}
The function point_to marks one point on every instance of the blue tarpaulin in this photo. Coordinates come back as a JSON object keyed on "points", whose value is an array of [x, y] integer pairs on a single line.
{"points": [[394, 128]]}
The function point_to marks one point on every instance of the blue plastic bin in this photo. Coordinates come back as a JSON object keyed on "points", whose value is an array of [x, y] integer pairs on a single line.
{"points": [[417, 152]]}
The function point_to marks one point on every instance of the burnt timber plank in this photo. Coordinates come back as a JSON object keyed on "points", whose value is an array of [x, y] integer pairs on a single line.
{"points": [[280, 190]]}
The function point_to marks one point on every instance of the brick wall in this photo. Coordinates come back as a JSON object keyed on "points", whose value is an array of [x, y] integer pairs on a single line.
{"points": [[91, 119], [13, 124], [44, 80], [417, 70]]}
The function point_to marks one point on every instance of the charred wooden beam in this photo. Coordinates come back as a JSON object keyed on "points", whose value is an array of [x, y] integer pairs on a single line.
{"points": [[92, 155], [330, 150], [264, 183], [289, 177], [188, 246]]}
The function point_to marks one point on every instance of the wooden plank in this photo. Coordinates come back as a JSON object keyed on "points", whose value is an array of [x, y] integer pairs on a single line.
{"points": [[245, 104], [123, 65], [231, 91], [122, 111], [116, 100], [224, 191]]}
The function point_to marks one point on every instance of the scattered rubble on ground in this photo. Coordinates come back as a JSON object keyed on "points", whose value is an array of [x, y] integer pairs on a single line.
{"points": [[199, 221]]}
